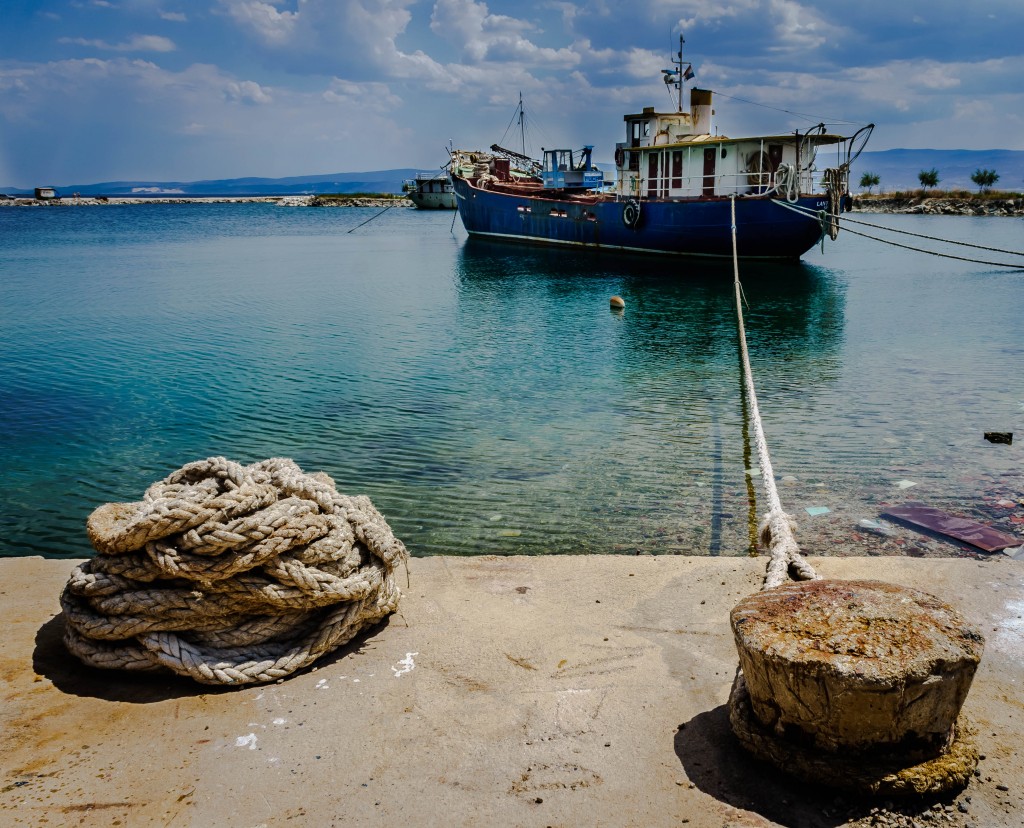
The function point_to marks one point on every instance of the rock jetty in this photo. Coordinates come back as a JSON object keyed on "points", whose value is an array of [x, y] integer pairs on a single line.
{"points": [[283, 201], [940, 205]]}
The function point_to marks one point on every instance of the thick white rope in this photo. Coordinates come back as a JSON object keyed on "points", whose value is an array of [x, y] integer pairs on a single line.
{"points": [[231, 574], [777, 528]]}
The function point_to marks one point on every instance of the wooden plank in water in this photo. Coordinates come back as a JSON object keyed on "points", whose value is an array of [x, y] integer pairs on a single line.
{"points": [[968, 531]]}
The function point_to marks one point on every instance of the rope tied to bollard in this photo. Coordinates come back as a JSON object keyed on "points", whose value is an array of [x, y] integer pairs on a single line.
{"points": [[777, 528], [829, 688]]}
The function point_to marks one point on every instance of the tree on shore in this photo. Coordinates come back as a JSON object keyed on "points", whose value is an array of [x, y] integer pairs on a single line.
{"points": [[984, 179], [869, 180], [929, 178]]}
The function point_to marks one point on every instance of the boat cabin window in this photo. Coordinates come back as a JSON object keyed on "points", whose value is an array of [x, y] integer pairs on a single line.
{"points": [[638, 131], [558, 160]]}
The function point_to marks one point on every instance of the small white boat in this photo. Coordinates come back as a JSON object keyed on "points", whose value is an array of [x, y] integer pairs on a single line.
{"points": [[430, 191]]}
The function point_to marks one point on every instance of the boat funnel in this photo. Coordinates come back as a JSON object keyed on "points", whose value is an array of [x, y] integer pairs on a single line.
{"points": [[701, 111]]}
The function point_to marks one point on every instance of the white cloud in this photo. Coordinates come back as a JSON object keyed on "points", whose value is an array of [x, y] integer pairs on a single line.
{"points": [[247, 92], [135, 43], [798, 27], [712, 12], [174, 17], [481, 36], [371, 96], [273, 26], [354, 38]]}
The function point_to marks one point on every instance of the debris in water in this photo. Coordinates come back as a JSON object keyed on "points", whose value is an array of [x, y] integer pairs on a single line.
{"points": [[876, 527], [814, 511], [999, 437], [968, 531], [905, 484]]}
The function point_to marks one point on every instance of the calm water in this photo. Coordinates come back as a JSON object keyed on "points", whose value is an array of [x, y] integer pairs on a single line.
{"points": [[484, 395]]}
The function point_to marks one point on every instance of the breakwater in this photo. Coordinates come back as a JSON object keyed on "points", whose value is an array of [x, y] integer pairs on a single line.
{"points": [[283, 201], [940, 205]]}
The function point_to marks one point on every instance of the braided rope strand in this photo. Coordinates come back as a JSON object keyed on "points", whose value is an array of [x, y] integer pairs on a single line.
{"points": [[231, 574]]}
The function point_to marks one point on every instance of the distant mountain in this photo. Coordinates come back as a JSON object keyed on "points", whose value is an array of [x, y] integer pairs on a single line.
{"points": [[897, 169], [377, 181]]}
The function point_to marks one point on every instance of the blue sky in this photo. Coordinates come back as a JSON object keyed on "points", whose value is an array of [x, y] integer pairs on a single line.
{"points": [[102, 90]]}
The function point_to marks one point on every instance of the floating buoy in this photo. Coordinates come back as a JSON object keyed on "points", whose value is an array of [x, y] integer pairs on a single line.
{"points": [[616, 302]]}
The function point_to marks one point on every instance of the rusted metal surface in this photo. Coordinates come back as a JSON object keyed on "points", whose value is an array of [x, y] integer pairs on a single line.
{"points": [[968, 531]]}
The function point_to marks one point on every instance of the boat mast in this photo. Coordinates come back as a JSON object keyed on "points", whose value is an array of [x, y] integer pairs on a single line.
{"points": [[522, 123], [679, 64], [678, 75]]}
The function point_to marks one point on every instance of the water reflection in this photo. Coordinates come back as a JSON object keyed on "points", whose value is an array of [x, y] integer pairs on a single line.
{"points": [[636, 416]]}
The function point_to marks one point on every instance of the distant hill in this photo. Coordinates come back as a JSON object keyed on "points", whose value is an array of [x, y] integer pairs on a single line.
{"points": [[897, 169], [376, 181]]}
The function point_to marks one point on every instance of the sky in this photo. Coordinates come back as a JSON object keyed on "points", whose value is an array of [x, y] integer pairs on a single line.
{"points": [[182, 90]]}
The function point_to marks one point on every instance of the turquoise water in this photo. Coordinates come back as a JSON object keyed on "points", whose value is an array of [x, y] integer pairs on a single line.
{"points": [[483, 394]]}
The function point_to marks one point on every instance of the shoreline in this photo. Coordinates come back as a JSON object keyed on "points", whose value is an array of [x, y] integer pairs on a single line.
{"points": [[281, 201], [905, 205], [940, 205]]}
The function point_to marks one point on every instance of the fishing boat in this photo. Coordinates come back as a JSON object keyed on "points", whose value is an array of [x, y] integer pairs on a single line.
{"points": [[430, 191], [675, 183]]}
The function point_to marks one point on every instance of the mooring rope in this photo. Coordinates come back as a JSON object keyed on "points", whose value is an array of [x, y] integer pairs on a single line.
{"points": [[849, 220], [231, 574], [371, 218], [777, 528], [804, 211]]}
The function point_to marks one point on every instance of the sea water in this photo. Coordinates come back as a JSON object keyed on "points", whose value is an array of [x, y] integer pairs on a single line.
{"points": [[484, 395]]}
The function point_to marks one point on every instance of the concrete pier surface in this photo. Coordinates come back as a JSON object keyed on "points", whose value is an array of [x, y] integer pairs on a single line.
{"points": [[540, 691]]}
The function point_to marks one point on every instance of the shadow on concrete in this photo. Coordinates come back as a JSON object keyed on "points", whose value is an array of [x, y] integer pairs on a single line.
{"points": [[51, 659], [716, 763]]}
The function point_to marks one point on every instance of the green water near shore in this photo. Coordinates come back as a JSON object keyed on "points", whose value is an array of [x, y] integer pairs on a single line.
{"points": [[483, 394]]}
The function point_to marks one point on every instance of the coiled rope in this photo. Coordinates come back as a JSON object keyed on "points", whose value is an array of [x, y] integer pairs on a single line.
{"points": [[777, 528], [804, 211], [231, 574]]}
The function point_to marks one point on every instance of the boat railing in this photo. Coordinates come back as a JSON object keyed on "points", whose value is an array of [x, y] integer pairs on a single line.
{"points": [[632, 184]]}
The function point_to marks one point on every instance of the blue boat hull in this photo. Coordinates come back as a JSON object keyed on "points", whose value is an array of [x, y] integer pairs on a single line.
{"points": [[691, 227]]}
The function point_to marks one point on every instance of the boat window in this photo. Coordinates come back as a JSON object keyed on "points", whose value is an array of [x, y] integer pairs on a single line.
{"points": [[724, 152], [677, 169]]}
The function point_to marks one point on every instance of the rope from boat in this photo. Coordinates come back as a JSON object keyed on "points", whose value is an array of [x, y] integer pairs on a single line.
{"points": [[786, 183], [777, 528], [849, 220], [371, 218], [816, 214], [231, 574], [835, 186]]}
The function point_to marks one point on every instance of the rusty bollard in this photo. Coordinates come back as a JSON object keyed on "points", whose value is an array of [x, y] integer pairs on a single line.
{"points": [[856, 685]]}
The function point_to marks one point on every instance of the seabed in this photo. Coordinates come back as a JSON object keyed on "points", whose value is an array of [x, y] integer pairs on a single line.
{"points": [[532, 691]]}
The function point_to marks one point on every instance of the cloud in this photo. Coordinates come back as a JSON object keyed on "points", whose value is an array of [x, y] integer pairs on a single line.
{"points": [[135, 43], [273, 26], [247, 92], [778, 25], [174, 17], [353, 38], [480, 35], [371, 96]]}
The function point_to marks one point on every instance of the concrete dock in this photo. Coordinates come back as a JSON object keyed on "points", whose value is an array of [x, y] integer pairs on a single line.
{"points": [[540, 691]]}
